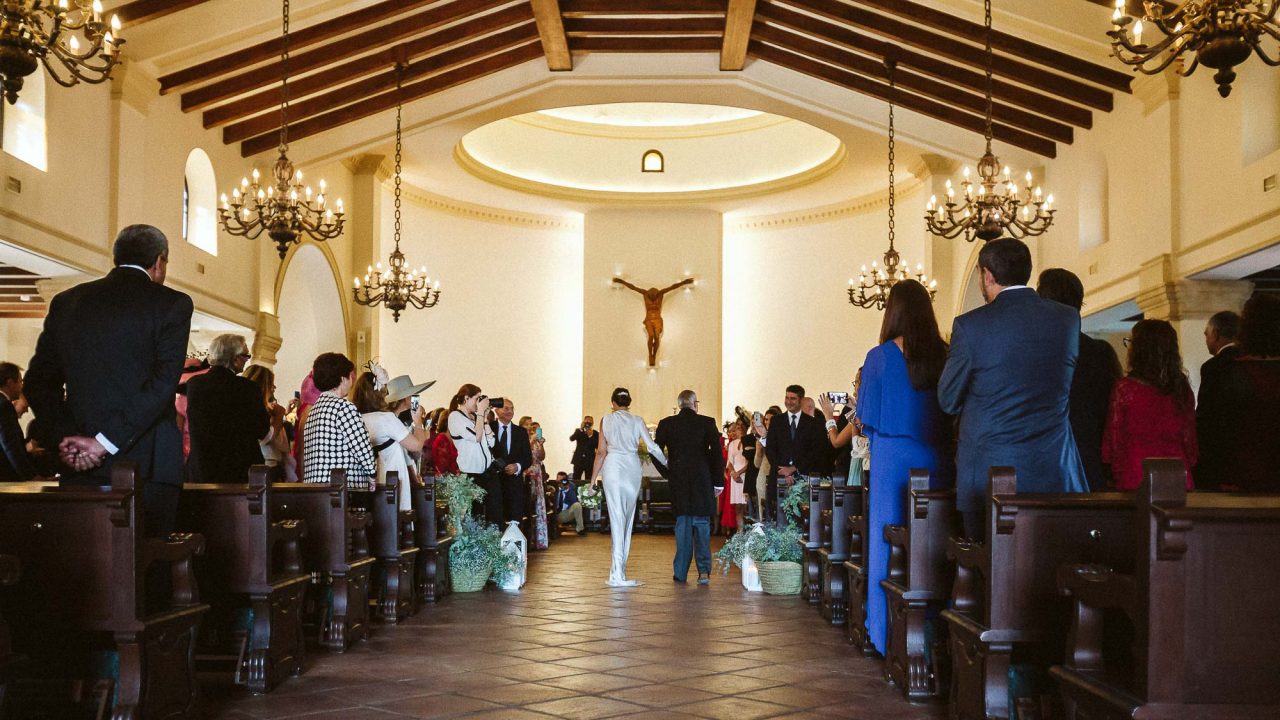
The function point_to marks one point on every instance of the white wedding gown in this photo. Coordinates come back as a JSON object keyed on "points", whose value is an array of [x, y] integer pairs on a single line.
{"points": [[620, 472]]}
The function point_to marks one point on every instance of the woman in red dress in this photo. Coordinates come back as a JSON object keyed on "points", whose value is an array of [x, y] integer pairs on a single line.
{"points": [[1153, 411]]}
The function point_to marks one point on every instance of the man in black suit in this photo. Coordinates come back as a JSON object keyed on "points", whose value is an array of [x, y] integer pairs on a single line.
{"points": [[1097, 370], [1220, 335], [512, 452], [694, 461], [227, 416], [105, 370], [794, 445], [16, 465], [584, 452]]}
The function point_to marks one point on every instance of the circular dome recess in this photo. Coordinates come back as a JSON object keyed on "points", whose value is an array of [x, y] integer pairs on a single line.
{"points": [[593, 152]]}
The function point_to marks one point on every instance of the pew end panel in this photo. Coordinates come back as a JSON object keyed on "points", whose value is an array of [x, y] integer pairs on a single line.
{"points": [[432, 574], [834, 577], [392, 545]]}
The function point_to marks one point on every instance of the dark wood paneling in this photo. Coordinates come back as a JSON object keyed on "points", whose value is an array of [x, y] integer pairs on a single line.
{"points": [[141, 11]]}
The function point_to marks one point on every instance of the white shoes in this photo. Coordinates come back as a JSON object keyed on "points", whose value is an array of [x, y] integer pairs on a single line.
{"points": [[623, 583]]}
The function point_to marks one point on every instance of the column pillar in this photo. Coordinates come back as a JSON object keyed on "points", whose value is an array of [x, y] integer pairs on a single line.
{"points": [[367, 176], [1187, 305], [266, 340]]}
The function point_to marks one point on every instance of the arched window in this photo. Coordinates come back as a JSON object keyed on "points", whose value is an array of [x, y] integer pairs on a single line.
{"points": [[652, 161], [199, 203], [25, 136]]}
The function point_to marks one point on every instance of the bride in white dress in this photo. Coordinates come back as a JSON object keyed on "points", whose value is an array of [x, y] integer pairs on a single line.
{"points": [[618, 463]]}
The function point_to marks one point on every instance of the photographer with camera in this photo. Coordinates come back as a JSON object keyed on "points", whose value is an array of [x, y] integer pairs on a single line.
{"points": [[473, 440], [584, 453], [512, 455]]}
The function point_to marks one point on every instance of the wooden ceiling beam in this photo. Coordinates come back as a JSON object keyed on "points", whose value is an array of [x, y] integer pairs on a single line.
{"points": [[737, 33], [555, 44], [298, 39], [373, 105], [958, 51], [580, 8], [920, 84], [593, 43], [348, 47], [338, 75], [140, 11], [644, 26], [858, 83], [1006, 43], [878, 49], [357, 91]]}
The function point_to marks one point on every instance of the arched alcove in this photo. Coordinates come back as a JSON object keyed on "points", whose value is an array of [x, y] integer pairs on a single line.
{"points": [[200, 198], [310, 311]]}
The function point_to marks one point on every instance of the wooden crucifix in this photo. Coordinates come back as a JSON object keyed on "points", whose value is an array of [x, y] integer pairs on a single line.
{"points": [[653, 312]]}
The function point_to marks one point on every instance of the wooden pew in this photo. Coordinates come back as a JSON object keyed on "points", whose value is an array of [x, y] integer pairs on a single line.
{"points": [[253, 578], [10, 573], [1200, 605], [336, 553], [433, 541], [917, 587], [85, 587], [819, 508], [855, 572], [834, 579], [1005, 597], [391, 542]]}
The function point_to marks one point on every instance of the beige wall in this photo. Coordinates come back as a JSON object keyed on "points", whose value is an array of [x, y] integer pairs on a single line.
{"points": [[651, 248]]}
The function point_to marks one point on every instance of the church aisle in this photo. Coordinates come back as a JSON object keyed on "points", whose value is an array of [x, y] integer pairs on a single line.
{"points": [[569, 647]]}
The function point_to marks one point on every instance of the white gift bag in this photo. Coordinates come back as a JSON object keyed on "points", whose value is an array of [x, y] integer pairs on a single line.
{"points": [[750, 573], [514, 543]]}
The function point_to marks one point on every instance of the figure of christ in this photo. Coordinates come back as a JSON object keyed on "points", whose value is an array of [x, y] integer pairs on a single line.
{"points": [[653, 312]]}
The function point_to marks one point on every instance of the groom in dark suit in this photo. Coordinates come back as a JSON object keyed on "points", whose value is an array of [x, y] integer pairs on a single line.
{"points": [[694, 458], [1008, 376], [105, 371], [511, 450]]}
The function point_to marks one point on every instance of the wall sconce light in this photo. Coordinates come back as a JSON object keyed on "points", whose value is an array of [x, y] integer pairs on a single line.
{"points": [[652, 161]]}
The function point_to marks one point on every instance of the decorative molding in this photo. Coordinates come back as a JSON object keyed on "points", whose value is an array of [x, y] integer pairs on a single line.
{"points": [[1164, 297], [266, 340], [365, 164], [934, 165], [486, 213], [641, 132], [497, 177], [827, 213], [131, 85], [1156, 90]]}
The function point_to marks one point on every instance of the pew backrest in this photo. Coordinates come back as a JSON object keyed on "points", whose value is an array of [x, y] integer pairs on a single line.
{"points": [[337, 534], [918, 549]]}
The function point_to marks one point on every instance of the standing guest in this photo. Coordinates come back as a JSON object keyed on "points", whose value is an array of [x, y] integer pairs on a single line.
{"points": [[1152, 409], [736, 465], [763, 469], [1008, 376], [276, 451], [16, 465], [1221, 336], [1242, 404], [192, 368], [533, 476], [693, 458], [333, 435], [512, 452], [227, 417], [473, 441], [307, 396], [1097, 370], [105, 370], [842, 435], [584, 452], [380, 402], [793, 444], [898, 408], [566, 505], [444, 454]]}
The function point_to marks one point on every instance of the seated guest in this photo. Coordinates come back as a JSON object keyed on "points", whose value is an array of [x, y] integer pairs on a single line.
{"points": [[333, 434], [1097, 370], [1242, 404], [380, 403], [226, 416], [444, 454], [1220, 337], [566, 505], [16, 465], [1152, 408], [276, 452]]}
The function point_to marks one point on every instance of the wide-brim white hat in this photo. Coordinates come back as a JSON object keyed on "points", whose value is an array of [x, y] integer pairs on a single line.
{"points": [[402, 387]]}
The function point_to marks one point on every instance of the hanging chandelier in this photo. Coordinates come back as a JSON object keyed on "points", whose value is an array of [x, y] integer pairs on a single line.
{"points": [[36, 31], [284, 208], [1218, 33], [396, 287], [992, 205], [872, 290]]}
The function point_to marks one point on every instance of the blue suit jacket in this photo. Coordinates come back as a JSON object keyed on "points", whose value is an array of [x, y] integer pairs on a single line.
{"points": [[1008, 377], [566, 497]]}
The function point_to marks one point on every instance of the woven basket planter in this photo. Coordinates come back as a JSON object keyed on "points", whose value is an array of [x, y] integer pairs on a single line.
{"points": [[469, 581], [780, 578]]}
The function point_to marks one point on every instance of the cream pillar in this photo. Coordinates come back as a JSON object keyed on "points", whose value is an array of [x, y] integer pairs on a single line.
{"points": [[366, 212], [266, 340], [1187, 305]]}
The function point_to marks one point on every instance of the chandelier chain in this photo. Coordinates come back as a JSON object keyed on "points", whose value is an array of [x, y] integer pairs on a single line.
{"points": [[891, 65], [284, 82], [399, 79], [990, 60]]}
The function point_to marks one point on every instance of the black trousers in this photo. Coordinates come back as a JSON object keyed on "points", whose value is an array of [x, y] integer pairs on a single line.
{"points": [[490, 508], [160, 508], [513, 498], [582, 473], [973, 525]]}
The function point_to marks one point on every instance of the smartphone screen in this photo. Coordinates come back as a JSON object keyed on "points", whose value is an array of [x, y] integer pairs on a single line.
{"points": [[538, 433], [413, 403]]}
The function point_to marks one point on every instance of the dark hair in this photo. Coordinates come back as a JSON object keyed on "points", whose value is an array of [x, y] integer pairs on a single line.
{"points": [[265, 379], [329, 369], [908, 314], [439, 420], [797, 389], [9, 373], [139, 245], [1260, 326], [565, 474], [1155, 360], [1008, 259], [467, 390], [1061, 286], [773, 410], [621, 397], [366, 397], [1226, 324]]}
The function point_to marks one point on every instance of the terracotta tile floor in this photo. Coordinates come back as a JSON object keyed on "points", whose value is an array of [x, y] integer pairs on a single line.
{"points": [[567, 646]]}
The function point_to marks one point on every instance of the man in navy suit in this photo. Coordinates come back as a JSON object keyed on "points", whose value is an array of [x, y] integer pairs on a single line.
{"points": [[1008, 376], [566, 506]]}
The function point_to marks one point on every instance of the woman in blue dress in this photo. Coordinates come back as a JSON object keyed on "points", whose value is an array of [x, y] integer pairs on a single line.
{"points": [[898, 407]]}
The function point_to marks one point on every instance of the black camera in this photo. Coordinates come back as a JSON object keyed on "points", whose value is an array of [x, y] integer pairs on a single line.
{"points": [[496, 403]]}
